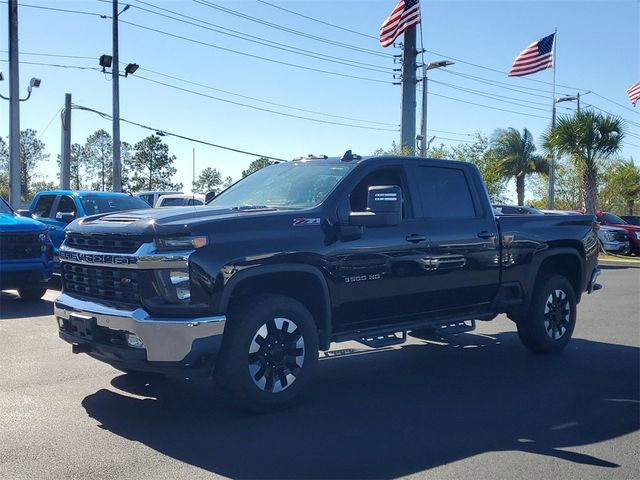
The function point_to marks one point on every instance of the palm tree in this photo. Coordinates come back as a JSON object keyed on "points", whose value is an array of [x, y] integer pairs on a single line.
{"points": [[516, 154], [588, 137]]}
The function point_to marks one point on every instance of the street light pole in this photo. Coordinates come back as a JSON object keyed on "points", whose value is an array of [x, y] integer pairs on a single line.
{"points": [[14, 108], [117, 167], [425, 80]]}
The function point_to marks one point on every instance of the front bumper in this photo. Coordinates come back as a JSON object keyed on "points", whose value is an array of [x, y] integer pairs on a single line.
{"points": [[593, 286], [616, 246], [177, 341], [24, 273]]}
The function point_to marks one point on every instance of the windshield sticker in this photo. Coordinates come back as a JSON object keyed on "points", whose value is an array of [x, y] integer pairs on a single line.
{"points": [[305, 222]]}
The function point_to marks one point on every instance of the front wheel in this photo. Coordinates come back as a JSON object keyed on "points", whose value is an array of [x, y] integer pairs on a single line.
{"points": [[269, 352], [32, 293], [549, 323]]}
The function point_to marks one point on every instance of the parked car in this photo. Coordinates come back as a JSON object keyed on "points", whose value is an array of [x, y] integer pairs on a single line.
{"points": [[516, 210], [57, 208], [612, 239], [179, 200], [633, 231], [152, 197], [26, 254], [301, 254]]}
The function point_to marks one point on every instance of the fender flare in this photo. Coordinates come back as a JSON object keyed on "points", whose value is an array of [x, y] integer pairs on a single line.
{"points": [[553, 252], [324, 322]]}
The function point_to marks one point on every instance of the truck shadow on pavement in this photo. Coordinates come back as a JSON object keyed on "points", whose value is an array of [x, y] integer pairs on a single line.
{"points": [[12, 307], [393, 413]]}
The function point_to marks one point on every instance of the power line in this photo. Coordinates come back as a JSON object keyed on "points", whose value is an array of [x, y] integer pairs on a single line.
{"points": [[319, 21], [78, 67], [65, 10], [186, 90], [486, 106], [315, 112], [631, 122], [262, 41], [290, 30], [280, 62], [165, 132], [502, 85]]}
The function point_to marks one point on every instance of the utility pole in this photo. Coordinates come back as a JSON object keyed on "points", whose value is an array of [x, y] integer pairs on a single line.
{"points": [[408, 109], [65, 153], [14, 109], [117, 167]]}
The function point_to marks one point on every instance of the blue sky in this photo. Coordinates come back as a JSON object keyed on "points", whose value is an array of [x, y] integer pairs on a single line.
{"points": [[598, 49]]}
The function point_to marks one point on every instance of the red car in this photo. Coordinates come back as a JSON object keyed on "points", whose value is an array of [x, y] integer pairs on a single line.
{"points": [[633, 231]]}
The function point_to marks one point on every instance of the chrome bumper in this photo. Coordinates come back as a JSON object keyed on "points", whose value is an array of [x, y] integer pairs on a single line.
{"points": [[593, 286], [165, 340]]}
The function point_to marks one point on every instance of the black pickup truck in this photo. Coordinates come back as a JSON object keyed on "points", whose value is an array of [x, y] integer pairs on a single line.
{"points": [[298, 255]]}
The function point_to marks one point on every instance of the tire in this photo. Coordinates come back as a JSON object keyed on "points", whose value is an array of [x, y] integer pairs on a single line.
{"points": [[548, 325], [32, 293], [268, 354]]}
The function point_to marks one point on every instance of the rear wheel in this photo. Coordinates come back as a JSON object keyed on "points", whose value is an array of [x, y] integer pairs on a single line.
{"points": [[269, 352], [549, 323], [32, 293]]}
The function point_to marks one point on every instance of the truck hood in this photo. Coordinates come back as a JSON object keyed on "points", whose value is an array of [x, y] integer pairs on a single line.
{"points": [[14, 223], [160, 221]]}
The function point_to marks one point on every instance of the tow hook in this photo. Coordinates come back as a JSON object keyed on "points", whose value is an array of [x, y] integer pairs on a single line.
{"points": [[80, 348]]}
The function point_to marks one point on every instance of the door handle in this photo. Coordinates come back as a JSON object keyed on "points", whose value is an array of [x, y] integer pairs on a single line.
{"points": [[415, 238], [485, 234]]}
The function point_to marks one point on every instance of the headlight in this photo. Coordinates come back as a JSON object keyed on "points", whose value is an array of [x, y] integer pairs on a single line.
{"points": [[174, 285], [610, 236], [181, 243], [44, 243], [638, 235]]}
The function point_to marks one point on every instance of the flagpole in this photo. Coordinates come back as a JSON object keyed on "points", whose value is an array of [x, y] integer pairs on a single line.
{"points": [[552, 167]]}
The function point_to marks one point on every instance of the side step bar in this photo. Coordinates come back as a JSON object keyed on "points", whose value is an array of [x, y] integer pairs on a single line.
{"points": [[389, 338]]}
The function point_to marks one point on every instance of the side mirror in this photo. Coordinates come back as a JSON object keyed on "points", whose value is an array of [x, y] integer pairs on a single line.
{"points": [[384, 207], [209, 196], [66, 217], [24, 213]]}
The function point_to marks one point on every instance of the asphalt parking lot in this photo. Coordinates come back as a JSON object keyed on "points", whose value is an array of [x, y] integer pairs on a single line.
{"points": [[473, 406]]}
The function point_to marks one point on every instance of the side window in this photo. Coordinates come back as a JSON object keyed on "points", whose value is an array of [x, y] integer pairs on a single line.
{"points": [[384, 176], [194, 201], [66, 205], [43, 207], [445, 193]]}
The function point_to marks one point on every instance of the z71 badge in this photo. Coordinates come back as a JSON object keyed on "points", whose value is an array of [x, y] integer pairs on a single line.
{"points": [[306, 222]]}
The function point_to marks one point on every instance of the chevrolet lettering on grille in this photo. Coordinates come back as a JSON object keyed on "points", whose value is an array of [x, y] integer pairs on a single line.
{"points": [[93, 258]]}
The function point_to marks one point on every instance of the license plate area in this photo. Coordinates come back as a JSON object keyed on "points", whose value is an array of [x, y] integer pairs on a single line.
{"points": [[83, 327]]}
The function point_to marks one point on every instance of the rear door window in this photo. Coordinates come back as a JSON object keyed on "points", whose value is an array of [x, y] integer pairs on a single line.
{"points": [[43, 206], [445, 193]]}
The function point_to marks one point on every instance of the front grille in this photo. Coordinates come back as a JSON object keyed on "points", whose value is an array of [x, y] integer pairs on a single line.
{"points": [[104, 243], [620, 236], [19, 246], [112, 284]]}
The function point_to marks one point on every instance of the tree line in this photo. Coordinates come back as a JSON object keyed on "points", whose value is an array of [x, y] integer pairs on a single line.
{"points": [[589, 175]]}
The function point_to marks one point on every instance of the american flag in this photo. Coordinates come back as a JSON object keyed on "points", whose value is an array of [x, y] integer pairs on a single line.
{"points": [[634, 93], [536, 57], [404, 16]]}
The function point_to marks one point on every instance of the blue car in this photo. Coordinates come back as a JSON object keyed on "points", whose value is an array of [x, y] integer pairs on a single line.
{"points": [[26, 254], [57, 208]]}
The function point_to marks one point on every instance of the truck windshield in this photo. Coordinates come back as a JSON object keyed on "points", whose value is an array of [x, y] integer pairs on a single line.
{"points": [[94, 204], [614, 219], [4, 208], [286, 186]]}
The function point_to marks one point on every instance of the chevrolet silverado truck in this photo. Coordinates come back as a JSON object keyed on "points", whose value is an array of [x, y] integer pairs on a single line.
{"points": [[248, 289], [26, 254]]}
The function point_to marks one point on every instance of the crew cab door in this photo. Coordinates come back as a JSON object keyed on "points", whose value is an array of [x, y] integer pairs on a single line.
{"points": [[464, 260], [374, 276]]}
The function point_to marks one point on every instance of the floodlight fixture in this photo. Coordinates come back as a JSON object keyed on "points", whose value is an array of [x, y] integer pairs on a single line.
{"points": [[105, 61], [131, 69]]}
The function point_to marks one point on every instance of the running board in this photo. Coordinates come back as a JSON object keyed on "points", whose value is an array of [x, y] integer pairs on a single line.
{"points": [[383, 339], [447, 328]]}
